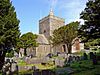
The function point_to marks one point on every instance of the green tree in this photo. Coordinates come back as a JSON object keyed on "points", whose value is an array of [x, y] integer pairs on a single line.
{"points": [[27, 40], [9, 28], [65, 35], [90, 31]]}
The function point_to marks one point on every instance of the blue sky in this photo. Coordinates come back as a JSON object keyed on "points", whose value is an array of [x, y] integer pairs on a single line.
{"points": [[29, 12]]}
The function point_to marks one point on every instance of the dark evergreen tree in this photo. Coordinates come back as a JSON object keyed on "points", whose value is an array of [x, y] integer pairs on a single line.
{"points": [[90, 31], [9, 28], [27, 40]]}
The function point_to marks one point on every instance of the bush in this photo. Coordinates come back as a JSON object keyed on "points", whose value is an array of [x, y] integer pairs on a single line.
{"points": [[10, 54], [85, 56], [79, 53], [91, 55]]}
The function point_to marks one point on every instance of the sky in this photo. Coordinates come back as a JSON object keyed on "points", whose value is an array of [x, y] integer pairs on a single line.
{"points": [[29, 12]]}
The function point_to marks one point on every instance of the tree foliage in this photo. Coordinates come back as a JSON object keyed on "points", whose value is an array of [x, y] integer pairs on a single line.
{"points": [[90, 31], [65, 35], [9, 28], [27, 40]]}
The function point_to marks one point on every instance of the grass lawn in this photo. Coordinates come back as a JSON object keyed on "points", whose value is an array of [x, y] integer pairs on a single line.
{"points": [[40, 67], [95, 71], [85, 68]]}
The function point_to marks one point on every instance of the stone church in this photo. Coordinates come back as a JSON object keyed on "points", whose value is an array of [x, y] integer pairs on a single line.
{"points": [[46, 27]]}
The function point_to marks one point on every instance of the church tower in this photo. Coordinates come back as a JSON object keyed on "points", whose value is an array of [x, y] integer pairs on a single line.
{"points": [[49, 23]]}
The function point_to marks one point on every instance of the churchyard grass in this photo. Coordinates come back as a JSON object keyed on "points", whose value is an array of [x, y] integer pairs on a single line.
{"points": [[94, 71], [42, 67], [79, 53], [82, 65], [85, 67], [25, 72], [39, 66], [21, 63]]}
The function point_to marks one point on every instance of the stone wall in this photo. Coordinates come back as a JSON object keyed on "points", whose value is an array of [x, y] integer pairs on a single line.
{"points": [[42, 50], [44, 27], [55, 23], [48, 24], [31, 51], [77, 46]]}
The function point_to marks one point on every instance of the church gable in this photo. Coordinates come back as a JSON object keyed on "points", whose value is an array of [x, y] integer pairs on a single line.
{"points": [[42, 39]]}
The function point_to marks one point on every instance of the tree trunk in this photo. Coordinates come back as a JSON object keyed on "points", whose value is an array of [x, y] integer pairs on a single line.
{"points": [[69, 46], [2, 58], [25, 52]]}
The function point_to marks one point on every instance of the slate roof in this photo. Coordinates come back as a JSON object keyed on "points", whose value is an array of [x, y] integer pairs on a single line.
{"points": [[42, 39]]}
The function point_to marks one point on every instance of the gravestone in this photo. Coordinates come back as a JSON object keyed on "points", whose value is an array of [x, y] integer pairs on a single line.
{"points": [[45, 72], [15, 54], [6, 68], [37, 72], [78, 58], [94, 59], [74, 59], [45, 59], [64, 55], [56, 62], [70, 59], [13, 67], [59, 63]]}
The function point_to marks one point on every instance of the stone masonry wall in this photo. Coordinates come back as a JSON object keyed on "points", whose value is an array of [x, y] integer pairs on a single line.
{"points": [[44, 27], [55, 24], [48, 24], [42, 50]]}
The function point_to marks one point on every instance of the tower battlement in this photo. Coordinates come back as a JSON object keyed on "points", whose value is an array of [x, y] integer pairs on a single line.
{"points": [[53, 17], [48, 24]]}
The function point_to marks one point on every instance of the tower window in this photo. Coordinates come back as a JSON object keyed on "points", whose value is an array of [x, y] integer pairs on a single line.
{"points": [[44, 31]]}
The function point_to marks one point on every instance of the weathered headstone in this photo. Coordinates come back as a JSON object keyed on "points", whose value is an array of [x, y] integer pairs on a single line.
{"points": [[74, 59], [56, 62], [13, 67], [45, 72], [36, 72], [69, 60], [59, 63]]}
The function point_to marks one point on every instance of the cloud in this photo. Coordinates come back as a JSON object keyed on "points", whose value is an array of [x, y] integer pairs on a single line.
{"points": [[73, 6], [68, 9], [72, 9]]}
